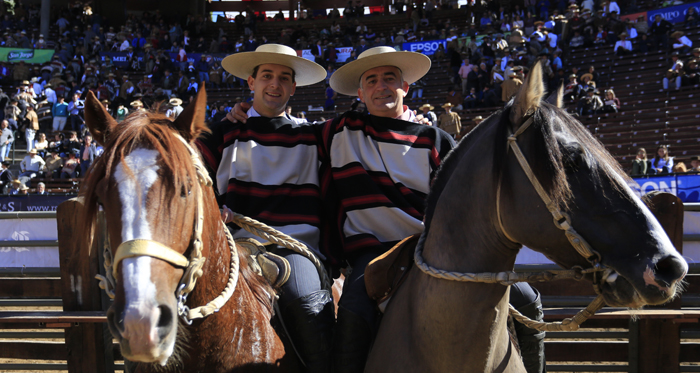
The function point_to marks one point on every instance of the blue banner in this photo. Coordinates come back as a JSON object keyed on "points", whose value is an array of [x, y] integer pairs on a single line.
{"points": [[428, 47], [673, 14], [119, 59], [32, 202], [686, 187]]}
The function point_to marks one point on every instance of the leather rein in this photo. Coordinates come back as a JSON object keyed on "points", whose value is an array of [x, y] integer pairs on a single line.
{"points": [[192, 265], [561, 221]]}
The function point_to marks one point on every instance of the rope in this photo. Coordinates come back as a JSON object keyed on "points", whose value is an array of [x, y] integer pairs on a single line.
{"points": [[567, 325], [504, 278], [218, 302], [274, 236]]}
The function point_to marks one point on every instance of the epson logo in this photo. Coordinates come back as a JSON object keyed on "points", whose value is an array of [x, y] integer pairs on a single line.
{"points": [[427, 47]]}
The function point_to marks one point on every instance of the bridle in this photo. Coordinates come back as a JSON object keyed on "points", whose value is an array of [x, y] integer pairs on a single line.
{"points": [[192, 265], [561, 221]]}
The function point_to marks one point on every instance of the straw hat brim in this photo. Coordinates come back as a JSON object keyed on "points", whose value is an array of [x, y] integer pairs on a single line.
{"points": [[429, 107], [413, 66], [242, 65], [175, 101], [587, 75]]}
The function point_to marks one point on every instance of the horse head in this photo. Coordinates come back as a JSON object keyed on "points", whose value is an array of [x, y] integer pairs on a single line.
{"points": [[148, 186], [587, 187]]}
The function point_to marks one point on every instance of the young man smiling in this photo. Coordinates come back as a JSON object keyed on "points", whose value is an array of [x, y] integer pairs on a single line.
{"points": [[267, 169]]}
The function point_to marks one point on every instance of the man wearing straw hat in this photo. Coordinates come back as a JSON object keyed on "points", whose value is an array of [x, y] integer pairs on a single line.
{"points": [[175, 108], [450, 121], [267, 169], [428, 114]]}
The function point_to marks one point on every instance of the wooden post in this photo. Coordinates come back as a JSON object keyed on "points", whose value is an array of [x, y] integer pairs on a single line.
{"points": [[89, 345], [654, 344]]}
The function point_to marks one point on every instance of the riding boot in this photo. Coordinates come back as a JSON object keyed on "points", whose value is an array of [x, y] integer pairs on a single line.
{"points": [[309, 321], [352, 340], [531, 341]]}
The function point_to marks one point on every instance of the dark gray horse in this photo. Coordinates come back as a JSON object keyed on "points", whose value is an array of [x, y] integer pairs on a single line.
{"points": [[435, 325]]}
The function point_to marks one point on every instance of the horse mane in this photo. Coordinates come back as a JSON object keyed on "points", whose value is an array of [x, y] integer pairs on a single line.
{"points": [[156, 131], [139, 129], [552, 173]]}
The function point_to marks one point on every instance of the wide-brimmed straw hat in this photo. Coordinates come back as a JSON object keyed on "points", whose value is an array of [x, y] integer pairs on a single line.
{"points": [[136, 103], [478, 118], [587, 75], [677, 34], [242, 64], [175, 101], [447, 105], [413, 66], [428, 106], [33, 151]]}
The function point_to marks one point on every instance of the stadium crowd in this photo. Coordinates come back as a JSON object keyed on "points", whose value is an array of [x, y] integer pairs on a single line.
{"points": [[488, 57]]}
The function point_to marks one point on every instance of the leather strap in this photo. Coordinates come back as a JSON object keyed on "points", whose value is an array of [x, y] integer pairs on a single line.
{"points": [[129, 249]]}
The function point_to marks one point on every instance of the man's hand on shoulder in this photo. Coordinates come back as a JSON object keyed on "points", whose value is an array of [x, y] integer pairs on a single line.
{"points": [[238, 113]]}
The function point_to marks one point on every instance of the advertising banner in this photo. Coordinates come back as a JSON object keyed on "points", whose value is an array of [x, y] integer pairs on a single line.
{"points": [[428, 47], [673, 14], [686, 187], [120, 59], [32, 202], [14, 55], [341, 53], [633, 17], [28, 230]]}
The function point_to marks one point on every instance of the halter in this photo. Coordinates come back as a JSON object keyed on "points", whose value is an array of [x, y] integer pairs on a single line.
{"points": [[193, 265], [561, 221]]}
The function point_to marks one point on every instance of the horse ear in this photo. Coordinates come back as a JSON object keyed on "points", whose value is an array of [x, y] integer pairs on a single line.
{"points": [[190, 123], [557, 98], [529, 96], [97, 119]]}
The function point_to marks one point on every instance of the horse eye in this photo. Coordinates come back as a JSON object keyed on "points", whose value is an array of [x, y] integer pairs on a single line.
{"points": [[572, 157]]}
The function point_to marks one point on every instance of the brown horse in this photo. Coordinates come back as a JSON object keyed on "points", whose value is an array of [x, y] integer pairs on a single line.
{"points": [[148, 187], [436, 325]]}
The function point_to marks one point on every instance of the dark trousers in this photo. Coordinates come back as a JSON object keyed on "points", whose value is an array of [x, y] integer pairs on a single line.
{"points": [[303, 280]]}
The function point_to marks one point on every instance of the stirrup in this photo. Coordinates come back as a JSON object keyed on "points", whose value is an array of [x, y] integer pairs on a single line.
{"points": [[274, 268]]}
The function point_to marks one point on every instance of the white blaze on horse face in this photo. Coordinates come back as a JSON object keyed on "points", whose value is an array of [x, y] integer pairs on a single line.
{"points": [[134, 177]]}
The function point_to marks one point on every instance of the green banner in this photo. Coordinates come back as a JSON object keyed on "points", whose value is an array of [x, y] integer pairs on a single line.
{"points": [[15, 55]]}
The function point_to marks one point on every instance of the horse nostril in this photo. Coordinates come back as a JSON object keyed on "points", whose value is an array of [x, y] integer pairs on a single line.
{"points": [[165, 321], [669, 270], [116, 319]]}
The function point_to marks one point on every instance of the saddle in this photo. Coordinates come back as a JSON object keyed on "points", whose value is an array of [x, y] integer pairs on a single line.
{"points": [[274, 268], [385, 274]]}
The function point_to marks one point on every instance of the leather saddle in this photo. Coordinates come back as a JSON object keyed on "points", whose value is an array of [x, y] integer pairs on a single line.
{"points": [[385, 274], [274, 268]]}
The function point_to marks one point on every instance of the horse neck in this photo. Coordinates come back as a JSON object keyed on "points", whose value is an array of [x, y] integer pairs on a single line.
{"points": [[464, 233], [244, 320]]}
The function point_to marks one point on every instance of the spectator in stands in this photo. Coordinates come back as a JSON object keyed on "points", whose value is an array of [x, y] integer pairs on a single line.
{"points": [[680, 168], [73, 143], [54, 164], [60, 114], [6, 139], [417, 88], [75, 108], [623, 46], [680, 42], [691, 18], [15, 187], [428, 113], [12, 112], [661, 163], [331, 95], [175, 108], [644, 45], [32, 126], [511, 86], [31, 166], [611, 104], [659, 31], [675, 73], [41, 144], [589, 104], [70, 165], [450, 121], [455, 98], [691, 74], [41, 189], [694, 164], [472, 99], [88, 153], [6, 176]]}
